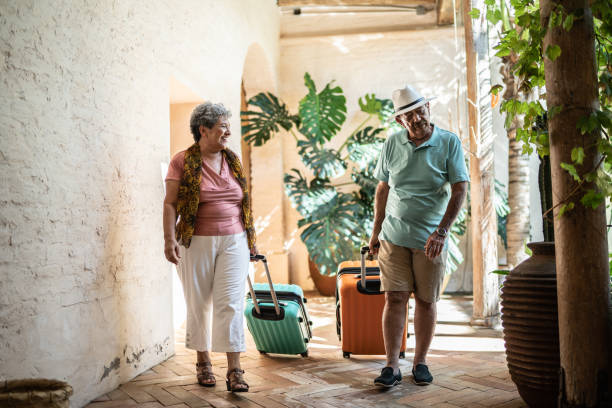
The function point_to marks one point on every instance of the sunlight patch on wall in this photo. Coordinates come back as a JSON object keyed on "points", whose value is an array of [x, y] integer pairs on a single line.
{"points": [[339, 44]]}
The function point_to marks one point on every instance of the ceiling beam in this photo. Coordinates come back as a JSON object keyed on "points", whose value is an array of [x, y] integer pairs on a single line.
{"points": [[304, 3], [446, 12]]}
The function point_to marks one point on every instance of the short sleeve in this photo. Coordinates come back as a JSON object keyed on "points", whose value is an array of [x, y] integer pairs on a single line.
{"points": [[382, 171], [176, 167], [457, 171]]}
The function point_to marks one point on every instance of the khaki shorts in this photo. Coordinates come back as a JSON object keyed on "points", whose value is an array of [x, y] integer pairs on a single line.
{"points": [[409, 270]]}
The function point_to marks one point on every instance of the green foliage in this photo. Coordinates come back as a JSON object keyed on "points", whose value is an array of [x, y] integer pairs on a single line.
{"points": [[500, 201], [324, 163], [521, 37], [272, 114], [322, 114], [335, 222]]}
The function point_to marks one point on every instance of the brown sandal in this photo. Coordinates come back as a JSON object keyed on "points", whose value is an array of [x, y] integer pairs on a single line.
{"points": [[205, 374], [235, 381]]}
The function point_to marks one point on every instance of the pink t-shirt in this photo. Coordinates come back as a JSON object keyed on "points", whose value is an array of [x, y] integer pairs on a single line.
{"points": [[220, 210]]}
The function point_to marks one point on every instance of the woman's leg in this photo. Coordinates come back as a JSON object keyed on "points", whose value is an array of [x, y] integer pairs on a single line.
{"points": [[203, 356], [229, 287], [196, 270]]}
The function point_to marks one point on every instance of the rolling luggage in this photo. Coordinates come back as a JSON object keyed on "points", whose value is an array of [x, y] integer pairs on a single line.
{"points": [[359, 308], [276, 316]]}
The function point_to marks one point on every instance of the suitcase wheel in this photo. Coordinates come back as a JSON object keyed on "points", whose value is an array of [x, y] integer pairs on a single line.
{"points": [[304, 354], [262, 352], [402, 354], [346, 354], [310, 323], [306, 340], [300, 319]]}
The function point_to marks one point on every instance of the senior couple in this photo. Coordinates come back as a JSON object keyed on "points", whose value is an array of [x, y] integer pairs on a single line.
{"points": [[211, 244]]}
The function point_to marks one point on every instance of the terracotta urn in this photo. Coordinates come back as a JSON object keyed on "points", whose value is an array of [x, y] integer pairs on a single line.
{"points": [[325, 284], [531, 328]]}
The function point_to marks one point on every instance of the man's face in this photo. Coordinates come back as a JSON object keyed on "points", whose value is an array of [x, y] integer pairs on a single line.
{"points": [[415, 121]]}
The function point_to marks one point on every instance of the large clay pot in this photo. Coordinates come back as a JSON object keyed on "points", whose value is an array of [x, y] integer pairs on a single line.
{"points": [[38, 393], [531, 328], [325, 284]]}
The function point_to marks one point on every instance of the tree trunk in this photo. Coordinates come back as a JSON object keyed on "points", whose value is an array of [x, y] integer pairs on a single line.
{"points": [[482, 189], [580, 234], [517, 224]]}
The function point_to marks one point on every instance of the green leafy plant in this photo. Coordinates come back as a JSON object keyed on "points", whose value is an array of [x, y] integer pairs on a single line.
{"points": [[521, 37], [337, 217]]}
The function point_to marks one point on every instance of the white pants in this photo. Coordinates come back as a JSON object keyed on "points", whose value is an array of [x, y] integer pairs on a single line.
{"points": [[213, 271]]}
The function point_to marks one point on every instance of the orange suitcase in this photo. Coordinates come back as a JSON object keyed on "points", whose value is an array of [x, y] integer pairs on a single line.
{"points": [[359, 308]]}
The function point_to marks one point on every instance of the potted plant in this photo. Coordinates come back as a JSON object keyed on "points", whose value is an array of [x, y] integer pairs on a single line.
{"points": [[337, 216]]}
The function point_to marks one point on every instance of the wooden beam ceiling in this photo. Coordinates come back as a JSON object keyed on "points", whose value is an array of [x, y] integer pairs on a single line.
{"points": [[304, 3], [446, 12]]}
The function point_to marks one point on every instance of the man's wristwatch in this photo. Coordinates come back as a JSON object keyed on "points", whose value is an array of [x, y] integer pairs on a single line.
{"points": [[441, 231]]}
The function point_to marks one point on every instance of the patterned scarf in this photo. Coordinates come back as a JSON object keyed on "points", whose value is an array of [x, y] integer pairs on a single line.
{"points": [[189, 195]]}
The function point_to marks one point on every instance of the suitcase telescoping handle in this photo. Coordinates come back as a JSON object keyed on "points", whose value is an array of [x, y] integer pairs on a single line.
{"points": [[364, 251], [262, 258]]}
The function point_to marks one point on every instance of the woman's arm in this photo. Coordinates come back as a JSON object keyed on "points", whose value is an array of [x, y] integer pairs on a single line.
{"points": [[171, 247]]}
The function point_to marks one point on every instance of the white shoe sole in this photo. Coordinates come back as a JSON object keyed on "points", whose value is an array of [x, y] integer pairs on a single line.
{"points": [[387, 385]]}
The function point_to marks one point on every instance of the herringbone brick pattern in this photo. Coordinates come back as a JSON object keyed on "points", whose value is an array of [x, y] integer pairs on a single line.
{"points": [[468, 365]]}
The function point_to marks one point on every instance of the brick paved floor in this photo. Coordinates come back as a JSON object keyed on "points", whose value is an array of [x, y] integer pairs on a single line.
{"points": [[468, 365]]}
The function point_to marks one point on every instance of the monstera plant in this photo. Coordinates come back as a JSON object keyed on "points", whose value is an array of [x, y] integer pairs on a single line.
{"points": [[337, 214]]}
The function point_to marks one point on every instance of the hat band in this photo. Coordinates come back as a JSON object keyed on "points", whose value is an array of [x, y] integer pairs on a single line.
{"points": [[410, 104]]}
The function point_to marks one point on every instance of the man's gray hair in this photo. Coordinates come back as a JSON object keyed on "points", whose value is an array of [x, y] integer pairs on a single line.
{"points": [[206, 114]]}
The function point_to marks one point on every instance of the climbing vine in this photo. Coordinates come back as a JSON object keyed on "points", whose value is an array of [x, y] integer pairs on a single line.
{"points": [[521, 35]]}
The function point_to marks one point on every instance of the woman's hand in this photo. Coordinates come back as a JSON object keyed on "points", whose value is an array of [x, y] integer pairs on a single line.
{"points": [[171, 250], [253, 251]]}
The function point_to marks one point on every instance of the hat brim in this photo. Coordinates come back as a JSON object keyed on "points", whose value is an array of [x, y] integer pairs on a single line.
{"points": [[413, 107]]}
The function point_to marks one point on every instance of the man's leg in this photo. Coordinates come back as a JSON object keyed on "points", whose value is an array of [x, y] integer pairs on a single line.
{"points": [[394, 319], [424, 327], [396, 280], [429, 275]]}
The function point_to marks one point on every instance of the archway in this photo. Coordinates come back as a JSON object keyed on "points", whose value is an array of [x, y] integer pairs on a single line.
{"points": [[265, 166], [182, 100]]}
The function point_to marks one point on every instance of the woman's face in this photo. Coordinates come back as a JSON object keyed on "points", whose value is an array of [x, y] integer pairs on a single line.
{"points": [[217, 137]]}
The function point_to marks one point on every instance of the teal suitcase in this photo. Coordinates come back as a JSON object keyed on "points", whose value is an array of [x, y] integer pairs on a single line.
{"points": [[276, 317]]}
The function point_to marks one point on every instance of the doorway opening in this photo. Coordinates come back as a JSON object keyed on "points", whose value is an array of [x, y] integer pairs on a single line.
{"points": [[182, 100]]}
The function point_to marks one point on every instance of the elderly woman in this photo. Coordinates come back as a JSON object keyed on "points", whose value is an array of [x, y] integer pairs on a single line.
{"points": [[212, 241]]}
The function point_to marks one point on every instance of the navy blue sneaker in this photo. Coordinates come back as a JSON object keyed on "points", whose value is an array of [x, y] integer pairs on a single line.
{"points": [[421, 375], [387, 378]]}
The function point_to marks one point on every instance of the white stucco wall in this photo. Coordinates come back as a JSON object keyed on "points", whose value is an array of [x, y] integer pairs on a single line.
{"points": [[85, 292], [429, 60]]}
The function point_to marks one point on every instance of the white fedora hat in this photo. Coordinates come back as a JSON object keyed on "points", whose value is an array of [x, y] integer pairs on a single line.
{"points": [[407, 99]]}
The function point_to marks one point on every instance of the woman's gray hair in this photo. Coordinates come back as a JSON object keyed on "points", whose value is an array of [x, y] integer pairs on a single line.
{"points": [[206, 114]]}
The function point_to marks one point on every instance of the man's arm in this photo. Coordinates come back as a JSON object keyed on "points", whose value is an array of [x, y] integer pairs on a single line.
{"points": [[435, 243], [380, 203]]}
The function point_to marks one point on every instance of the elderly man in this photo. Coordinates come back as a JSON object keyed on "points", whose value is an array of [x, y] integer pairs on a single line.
{"points": [[413, 212]]}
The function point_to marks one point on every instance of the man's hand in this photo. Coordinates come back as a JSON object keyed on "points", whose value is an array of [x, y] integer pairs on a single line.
{"points": [[171, 250], [374, 244], [434, 245]]}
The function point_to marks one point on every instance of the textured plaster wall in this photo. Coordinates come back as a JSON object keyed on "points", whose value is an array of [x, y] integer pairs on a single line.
{"points": [[431, 60], [85, 293], [180, 133]]}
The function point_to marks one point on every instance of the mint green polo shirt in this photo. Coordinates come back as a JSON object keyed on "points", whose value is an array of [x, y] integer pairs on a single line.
{"points": [[419, 179]]}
